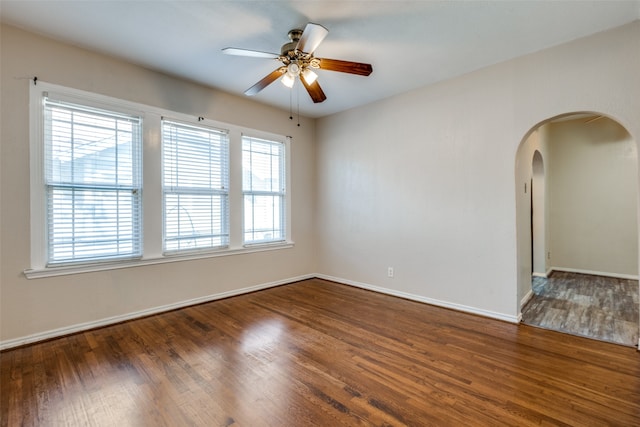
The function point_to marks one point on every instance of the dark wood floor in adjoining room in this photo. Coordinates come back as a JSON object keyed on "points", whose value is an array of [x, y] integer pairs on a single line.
{"points": [[319, 353], [599, 307]]}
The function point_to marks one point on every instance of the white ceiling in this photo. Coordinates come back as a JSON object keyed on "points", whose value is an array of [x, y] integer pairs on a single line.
{"points": [[409, 43]]}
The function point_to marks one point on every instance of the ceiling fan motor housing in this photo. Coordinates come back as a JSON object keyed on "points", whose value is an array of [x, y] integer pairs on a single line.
{"points": [[288, 49]]}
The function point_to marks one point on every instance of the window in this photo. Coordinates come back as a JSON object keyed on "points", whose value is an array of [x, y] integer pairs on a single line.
{"points": [[263, 184], [195, 187], [92, 183], [115, 184]]}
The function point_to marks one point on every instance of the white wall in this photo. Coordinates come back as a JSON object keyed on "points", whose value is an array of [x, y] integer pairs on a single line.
{"points": [[593, 198], [33, 307], [424, 181]]}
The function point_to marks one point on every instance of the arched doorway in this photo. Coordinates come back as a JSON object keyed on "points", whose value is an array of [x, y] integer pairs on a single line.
{"points": [[538, 224], [581, 209]]}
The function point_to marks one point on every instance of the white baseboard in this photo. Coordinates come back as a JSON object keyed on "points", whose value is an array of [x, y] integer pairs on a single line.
{"points": [[526, 298], [595, 273], [543, 275], [419, 298], [55, 333]]}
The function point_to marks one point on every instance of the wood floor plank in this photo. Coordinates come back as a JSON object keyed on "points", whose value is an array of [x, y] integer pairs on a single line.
{"points": [[319, 353]]}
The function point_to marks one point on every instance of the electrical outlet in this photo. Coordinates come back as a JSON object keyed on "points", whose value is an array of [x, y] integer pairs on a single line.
{"points": [[390, 271]]}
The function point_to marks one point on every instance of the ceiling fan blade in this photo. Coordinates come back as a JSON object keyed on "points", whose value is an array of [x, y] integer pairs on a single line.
{"points": [[315, 91], [311, 37], [266, 81], [247, 52], [350, 67]]}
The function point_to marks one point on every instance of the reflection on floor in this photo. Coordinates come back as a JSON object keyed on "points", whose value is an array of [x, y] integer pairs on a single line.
{"points": [[603, 308]]}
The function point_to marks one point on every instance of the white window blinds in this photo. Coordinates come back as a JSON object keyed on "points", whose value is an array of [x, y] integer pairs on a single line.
{"points": [[195, 187], [263, 185], [92, 160]]}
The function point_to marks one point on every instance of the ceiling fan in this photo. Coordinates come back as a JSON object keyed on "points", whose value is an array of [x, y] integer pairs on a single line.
{"points": [[298, 62]]}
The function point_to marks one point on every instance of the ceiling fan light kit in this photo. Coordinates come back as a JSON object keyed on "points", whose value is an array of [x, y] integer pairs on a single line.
{"points": [[309, 76], [298, 62], [288, 80]]}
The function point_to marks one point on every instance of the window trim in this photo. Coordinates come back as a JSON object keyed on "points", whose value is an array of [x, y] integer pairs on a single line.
{"points": [[51, 103], [283, 194], [166, 190], [152, 248]]}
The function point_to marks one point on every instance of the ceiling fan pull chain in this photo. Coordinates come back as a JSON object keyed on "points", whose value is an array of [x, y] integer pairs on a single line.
{"points": [[298, 101], [290, 105]]}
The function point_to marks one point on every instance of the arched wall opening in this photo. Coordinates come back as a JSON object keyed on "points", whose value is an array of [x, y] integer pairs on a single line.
{"points": [[538, 216], [595, 228]]}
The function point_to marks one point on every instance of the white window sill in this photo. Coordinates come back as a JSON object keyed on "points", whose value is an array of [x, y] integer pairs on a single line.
{"points": [[101, 266]]}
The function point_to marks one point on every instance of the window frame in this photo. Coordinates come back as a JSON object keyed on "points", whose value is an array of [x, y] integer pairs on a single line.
{"points": [[181, 190], [152, 193], [53, 185], [281, 194]]}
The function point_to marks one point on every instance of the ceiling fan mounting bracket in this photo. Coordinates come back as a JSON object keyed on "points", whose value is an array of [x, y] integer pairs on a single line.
{"points": [[295, 34]]}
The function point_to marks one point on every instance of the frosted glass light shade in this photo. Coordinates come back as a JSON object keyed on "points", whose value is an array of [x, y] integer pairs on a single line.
{"points": [[287, 80], [309, 76]]}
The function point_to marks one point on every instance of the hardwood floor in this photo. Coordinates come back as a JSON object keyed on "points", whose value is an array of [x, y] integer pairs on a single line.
{"points": [[319, 353], [604, 308]]}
